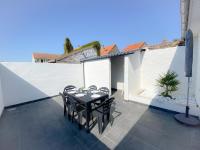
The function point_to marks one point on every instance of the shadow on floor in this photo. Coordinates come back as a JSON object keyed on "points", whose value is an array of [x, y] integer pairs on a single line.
{"points": [[41, 125]]}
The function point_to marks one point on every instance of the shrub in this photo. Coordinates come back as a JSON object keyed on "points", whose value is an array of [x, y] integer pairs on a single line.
{"points": [[169, 83]]}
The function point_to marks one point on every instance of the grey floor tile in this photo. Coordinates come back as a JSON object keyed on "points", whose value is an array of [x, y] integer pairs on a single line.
{"points": [[135, 144], [41, 125]]}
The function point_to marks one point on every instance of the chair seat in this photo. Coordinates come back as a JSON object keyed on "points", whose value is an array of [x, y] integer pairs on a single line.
{"points": [[97, 102], [101, 111]]}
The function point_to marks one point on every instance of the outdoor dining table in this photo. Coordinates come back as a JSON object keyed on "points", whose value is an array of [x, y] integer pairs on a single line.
{"points": [[87, 99]]}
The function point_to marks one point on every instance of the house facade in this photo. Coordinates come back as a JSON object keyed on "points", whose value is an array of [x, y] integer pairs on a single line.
{"points": [[86, 52], [43, 57], [77, 56], [89, 50]]}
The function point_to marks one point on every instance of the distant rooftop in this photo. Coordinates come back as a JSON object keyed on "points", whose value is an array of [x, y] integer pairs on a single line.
{"points": [[107, 49], [166, 44], [45, 56], [134, 47]]}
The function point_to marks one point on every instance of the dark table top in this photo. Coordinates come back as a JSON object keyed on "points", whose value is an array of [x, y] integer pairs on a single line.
{"points": [[87, 98]]}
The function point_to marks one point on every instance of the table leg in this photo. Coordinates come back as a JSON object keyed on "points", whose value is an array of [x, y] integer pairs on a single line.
{"points": [[88, 118]]}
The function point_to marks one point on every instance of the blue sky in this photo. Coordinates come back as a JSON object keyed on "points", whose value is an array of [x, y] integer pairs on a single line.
{"points": [[41, 25]]}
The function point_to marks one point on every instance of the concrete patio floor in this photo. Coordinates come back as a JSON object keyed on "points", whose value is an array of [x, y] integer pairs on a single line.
{"points": [[42, 126]]}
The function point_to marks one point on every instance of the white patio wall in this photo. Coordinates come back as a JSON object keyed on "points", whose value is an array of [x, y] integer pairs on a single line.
{"points": [[197, 67], [157, 62], [153, 64], [23, 82], [98, 72], [126, 90], [132, 74]]}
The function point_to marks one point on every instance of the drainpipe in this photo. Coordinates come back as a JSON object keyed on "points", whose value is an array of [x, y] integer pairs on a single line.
{"points": [[83, 74], [84, 69]]}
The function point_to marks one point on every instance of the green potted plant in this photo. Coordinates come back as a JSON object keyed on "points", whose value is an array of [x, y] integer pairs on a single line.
{"points": [[169, 83]]}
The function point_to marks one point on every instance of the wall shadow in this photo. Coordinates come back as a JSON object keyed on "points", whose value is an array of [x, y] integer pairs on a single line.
{"points": [[117, 72], [37, 124], [16, 90]]}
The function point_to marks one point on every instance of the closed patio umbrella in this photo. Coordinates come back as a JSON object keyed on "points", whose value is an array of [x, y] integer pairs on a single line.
{"points": [[186, 118]]}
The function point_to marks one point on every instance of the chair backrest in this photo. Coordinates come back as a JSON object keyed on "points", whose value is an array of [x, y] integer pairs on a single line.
{"points": [[104, 90], [105, 106], [72, 102], [64, 98], [92, 87], [68, 88]]}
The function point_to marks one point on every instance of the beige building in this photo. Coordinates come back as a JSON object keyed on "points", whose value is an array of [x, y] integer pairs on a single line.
{"points": [[43, 57]]}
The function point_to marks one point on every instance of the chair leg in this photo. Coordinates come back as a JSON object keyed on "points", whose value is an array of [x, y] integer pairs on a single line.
{"points": [[72, 117], [69, 115], [99, 120], [65, 110], [111, 120], [80, 120], [92, 118], [108, 116]]}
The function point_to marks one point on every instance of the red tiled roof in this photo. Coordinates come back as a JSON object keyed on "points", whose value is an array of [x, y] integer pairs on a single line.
{"points": [[45, 56], [135, 46], [106, 50]]}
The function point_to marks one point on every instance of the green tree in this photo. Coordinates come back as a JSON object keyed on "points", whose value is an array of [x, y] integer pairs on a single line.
{"points": [[68, 47], [169, 83]]}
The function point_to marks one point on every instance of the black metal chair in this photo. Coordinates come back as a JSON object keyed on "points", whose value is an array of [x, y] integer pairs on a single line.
{"points": [[77, 108], [102, 110], [65, 91], [68, 88], [66, 105], [92, 88], [104, 90]]}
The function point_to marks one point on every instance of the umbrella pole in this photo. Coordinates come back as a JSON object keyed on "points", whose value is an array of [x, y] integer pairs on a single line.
{"points": [[185, 118], [188, 93]]}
